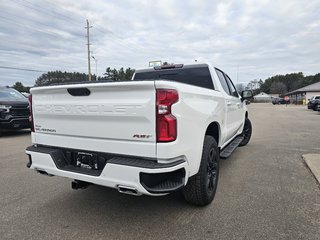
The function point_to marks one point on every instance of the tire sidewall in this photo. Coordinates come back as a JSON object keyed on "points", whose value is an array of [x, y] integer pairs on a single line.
{"points": [[208, 145], [197, 191], [245, 141]]}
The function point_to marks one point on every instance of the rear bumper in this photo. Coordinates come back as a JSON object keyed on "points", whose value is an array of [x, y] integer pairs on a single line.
{"points": [[146, 176], [15, 123]]}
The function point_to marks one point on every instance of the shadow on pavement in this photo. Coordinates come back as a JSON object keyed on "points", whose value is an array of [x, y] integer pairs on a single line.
{"points": [[14, 133]]}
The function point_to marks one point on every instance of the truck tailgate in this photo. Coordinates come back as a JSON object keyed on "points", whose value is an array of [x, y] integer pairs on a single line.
{"points": [[114, 117]]}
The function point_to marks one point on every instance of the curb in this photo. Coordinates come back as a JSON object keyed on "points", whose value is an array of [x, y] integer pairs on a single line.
{"points": [[313, 163]]}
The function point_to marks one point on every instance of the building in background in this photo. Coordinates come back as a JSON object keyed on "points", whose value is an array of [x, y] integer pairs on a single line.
{"points": [[302, 95], [262, 97]]}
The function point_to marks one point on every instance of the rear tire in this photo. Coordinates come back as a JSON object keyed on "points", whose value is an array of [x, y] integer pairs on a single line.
{"points": [[201, 188], [246, 133], [315, 108]]}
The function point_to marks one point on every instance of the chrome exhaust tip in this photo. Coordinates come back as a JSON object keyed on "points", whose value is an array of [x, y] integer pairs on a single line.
{"points": [[128, 190]]}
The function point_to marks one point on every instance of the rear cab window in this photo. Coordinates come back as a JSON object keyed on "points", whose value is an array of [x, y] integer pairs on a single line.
{"points": [[190, 74]]}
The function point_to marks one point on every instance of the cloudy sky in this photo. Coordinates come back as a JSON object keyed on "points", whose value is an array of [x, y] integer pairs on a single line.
{"points": [[259, 38]]}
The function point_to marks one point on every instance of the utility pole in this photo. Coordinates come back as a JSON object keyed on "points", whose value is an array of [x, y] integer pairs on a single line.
{"points": [[88, 44]]}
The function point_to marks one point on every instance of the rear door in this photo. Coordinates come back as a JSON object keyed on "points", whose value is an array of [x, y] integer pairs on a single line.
{"points": [[236, 101], [233, 105], [106, 117]]}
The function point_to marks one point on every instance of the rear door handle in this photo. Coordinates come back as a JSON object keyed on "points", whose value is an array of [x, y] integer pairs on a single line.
{"points": [[228, 103]]}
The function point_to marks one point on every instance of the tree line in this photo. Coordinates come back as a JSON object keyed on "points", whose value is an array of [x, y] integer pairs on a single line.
{"points": [[287, 83], [279, 84], [59, 77]]}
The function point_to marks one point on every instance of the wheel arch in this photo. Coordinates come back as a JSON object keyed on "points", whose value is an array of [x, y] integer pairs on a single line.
{"points": [[214, 130]]}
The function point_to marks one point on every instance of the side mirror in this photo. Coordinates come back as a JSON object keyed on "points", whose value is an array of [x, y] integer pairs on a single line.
{"points": [[246, 95]]}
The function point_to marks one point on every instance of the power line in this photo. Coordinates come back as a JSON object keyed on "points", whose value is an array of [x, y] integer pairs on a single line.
{"points": [[11, 21], [121, 41], [22, 69], [107, 32], [38, 22], [38, 8], [99, 28], [55, 13]]}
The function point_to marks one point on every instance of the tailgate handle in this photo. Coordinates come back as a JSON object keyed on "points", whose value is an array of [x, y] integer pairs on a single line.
{"points": [[79, 91]]}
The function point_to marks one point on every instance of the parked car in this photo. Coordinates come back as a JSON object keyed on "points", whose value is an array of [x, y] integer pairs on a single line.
{"points": [[279, 101], [14, 110], [163, 131], [314, 105], [313, 102]]}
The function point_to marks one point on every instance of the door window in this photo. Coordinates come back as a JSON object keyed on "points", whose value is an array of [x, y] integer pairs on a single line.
{"points": [[232, 88], [223, 81]]}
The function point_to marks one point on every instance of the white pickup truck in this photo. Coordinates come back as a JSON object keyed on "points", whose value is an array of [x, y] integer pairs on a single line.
{"points": [[163, 131]]}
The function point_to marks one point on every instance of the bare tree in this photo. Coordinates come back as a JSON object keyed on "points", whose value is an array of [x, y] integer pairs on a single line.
{"points": [[240, 87]]}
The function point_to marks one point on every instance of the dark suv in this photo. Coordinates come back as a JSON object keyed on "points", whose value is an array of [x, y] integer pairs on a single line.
{"points": [[14, 110], [313, 103], [279, 101]]}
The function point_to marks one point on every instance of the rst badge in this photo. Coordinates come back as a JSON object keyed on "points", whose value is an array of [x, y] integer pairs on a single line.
{"points": [[142, 136]]}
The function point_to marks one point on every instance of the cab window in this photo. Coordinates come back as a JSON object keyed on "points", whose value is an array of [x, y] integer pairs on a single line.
{"points": [[223, 81], [232, 88]]}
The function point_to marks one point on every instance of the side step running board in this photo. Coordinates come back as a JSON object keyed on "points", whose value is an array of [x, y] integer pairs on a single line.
{"points": [[228, 150]]}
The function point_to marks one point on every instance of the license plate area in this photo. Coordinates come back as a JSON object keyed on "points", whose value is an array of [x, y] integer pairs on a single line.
{"points": [[91, 163], [87, 160]]}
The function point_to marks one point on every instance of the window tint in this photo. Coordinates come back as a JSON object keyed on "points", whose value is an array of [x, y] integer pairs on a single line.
{"points": [[198, 76], [232, 88], [223, 81]]}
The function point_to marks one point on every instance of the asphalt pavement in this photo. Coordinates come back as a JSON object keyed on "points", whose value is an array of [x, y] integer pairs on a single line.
{"points": [[265, 192]]}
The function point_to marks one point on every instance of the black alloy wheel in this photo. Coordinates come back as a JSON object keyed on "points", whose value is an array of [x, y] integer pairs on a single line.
{"points": [[246, 133], [201, 188], [212, 169]]}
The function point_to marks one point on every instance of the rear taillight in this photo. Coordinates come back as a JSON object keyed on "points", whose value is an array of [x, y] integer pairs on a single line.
{"points": [[30, 116], [166, 122]]}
